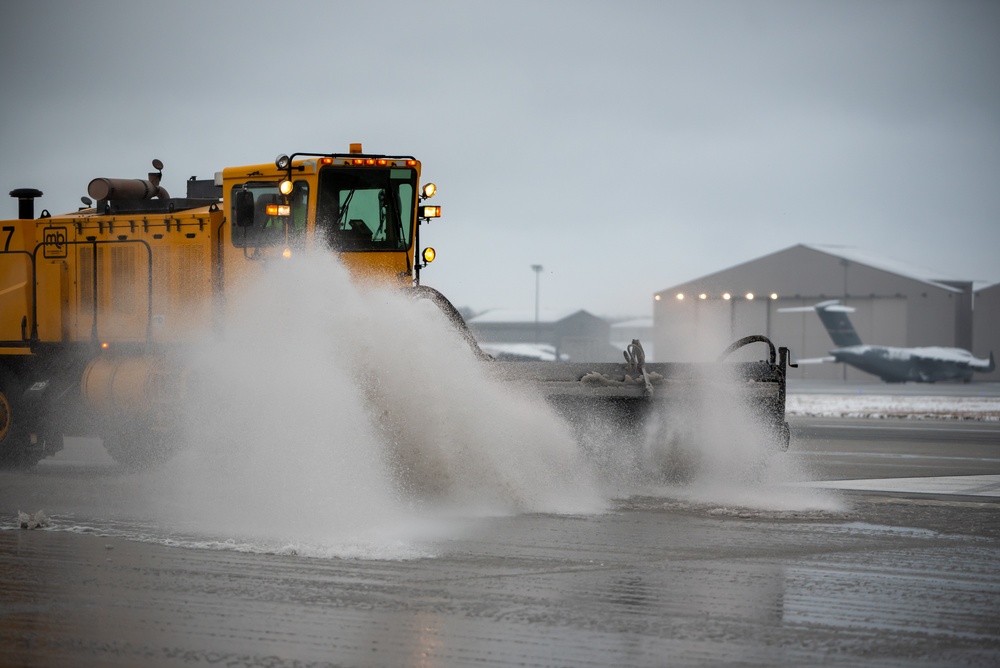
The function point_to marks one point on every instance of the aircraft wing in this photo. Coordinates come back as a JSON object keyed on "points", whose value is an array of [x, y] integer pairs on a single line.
{"points": [[817, 360], [830, 306]]}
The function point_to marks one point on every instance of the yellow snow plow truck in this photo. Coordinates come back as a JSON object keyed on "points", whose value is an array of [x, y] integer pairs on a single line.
{"points": [[98, 305]]}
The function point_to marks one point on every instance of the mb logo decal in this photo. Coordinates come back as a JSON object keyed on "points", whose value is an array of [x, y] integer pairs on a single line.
{"points": [[54, 239]]}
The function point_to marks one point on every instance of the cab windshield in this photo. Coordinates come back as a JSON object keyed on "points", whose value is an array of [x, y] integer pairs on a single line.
{"points": [[366, 209]]}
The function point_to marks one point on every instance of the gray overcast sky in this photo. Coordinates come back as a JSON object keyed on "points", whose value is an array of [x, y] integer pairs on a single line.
{"points": [[625, 146]]}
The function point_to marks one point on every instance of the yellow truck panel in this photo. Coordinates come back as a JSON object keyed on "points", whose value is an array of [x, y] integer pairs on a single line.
{"points": [[95, 303]]}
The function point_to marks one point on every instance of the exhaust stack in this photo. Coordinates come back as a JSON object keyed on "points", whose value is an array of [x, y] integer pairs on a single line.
{"points": [[26, 202]]}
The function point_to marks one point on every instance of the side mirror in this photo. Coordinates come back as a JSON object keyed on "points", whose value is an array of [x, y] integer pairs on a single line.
{"points": [[244, 208]]}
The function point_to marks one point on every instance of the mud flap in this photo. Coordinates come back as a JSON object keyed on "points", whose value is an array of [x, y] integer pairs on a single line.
{"points": [[21, 418], [43, 439]]}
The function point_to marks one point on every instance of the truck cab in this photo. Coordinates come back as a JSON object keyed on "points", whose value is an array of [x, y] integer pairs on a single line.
{"points": [[363, 207]]}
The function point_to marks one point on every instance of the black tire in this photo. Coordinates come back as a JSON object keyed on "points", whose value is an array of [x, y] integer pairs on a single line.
{"points": [[16, 449], [137, 448]]}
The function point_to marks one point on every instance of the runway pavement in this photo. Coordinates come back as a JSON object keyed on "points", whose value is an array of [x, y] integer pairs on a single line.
{"points": [[881, 548], [987, 486], [902, 457]]}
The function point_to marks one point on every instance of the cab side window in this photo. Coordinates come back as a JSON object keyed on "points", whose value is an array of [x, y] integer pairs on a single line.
{"points": [[277, 221]]}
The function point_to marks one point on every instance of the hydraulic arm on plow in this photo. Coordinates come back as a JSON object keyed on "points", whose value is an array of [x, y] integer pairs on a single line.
{"points": [[97, 306]]}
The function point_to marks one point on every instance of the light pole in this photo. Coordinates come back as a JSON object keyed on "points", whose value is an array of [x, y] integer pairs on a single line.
{"points": [[538, 272]]}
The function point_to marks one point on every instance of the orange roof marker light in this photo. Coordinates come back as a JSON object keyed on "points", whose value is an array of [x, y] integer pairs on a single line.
{"points": [[356, 147]]}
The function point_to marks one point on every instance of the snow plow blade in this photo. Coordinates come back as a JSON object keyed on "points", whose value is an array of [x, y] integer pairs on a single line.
{"points": [[628, 395]]}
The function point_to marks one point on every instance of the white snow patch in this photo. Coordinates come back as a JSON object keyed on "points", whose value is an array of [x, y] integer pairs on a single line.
{"points": [[985, 409]]}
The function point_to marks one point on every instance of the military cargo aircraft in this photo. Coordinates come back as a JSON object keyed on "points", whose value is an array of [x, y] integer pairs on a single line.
{"points": [[891, 364]]}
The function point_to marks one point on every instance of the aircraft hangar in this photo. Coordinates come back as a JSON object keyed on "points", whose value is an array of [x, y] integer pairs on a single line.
{"points": [[986, 326], [895, 305]]}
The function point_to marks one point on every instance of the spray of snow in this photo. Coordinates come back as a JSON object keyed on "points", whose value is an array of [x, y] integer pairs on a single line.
{"points": [[712, 446], [332, 419], [335, 416], [730, 455]]}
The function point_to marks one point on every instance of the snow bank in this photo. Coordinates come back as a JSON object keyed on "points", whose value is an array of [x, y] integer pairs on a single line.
{"points": [[885, 406]]}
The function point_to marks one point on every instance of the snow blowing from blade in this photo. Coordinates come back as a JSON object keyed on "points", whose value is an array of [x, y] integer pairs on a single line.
{"points": [[347, 421], [712, 449], [334, 420]]}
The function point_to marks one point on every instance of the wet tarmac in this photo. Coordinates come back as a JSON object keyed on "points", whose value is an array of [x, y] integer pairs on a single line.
{"points": [[896, 562]]}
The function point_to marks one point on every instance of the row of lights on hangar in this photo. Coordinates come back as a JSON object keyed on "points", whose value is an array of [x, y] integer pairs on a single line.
{"points": [[725, 295]]}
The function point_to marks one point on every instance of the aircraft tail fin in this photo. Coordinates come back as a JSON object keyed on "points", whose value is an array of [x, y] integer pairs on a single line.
{"points": [[833, 315], [838, 326]]}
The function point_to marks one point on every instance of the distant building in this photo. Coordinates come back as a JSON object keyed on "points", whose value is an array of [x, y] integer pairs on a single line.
{"points": [[986, 325], [566, 335], [896, 305]]}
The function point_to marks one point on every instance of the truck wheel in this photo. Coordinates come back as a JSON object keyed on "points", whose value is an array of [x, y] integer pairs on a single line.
{"points": [[136, 449], [16, 451]]}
